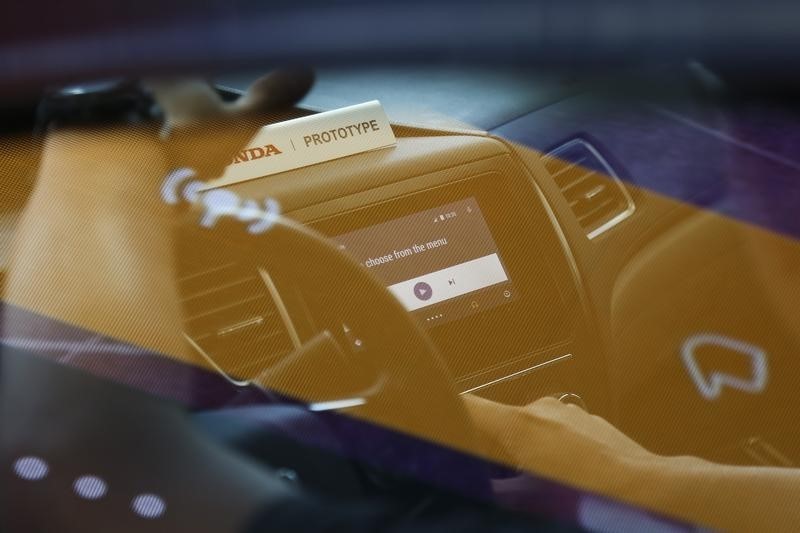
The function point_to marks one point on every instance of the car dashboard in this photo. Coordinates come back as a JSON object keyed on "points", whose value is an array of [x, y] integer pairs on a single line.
{"points": [[457, 227]]}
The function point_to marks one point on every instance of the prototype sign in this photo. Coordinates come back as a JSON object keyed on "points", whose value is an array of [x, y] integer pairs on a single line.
{"points": [[310, 140]]}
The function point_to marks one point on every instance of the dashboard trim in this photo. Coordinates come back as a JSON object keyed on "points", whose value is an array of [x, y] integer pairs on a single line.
{"points": [[631, 206], [519, 373]]}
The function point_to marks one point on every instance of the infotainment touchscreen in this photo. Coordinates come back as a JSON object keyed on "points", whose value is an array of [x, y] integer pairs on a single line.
{"points": [[441, 263], [475, 261]]}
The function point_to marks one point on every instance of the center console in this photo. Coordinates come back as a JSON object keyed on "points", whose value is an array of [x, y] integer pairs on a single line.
{"points": [[458, 230]]}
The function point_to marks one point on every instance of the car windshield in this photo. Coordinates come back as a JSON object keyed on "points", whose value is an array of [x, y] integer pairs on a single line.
{"points": [[514, 269]]}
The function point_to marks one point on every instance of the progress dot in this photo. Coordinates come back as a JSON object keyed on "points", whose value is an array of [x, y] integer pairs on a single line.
{"points": [[31, 468], [148, 506], [90, 487]]}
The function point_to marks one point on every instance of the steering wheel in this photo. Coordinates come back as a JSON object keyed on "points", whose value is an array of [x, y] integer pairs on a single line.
{"points": [[399, 387]]}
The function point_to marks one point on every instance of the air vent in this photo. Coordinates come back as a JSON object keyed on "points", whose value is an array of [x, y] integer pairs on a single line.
{"points": [[594, 191], [230, 313]]}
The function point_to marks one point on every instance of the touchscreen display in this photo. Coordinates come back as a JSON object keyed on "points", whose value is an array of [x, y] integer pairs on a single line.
{"points": [[442, 263]]}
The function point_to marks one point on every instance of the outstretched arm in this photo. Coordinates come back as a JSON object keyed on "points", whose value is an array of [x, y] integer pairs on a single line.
{"points": [[565, 443], [94, 245]]}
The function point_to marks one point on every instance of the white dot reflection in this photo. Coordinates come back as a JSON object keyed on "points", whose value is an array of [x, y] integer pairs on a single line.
{"points": [[31, 468], [90, 487], [148, 506]]}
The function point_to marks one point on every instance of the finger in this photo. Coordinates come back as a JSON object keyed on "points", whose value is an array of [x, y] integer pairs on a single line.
{"points": [[205, 133], [277, 90], [192, 100], [186, 101]]}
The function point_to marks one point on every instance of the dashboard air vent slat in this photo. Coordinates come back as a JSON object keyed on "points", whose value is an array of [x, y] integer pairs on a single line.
{"points": [[594, 192], [231, 315]]}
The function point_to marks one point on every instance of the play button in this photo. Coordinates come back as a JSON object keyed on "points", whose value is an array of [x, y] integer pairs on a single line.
{"points": [[423, 291]]}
